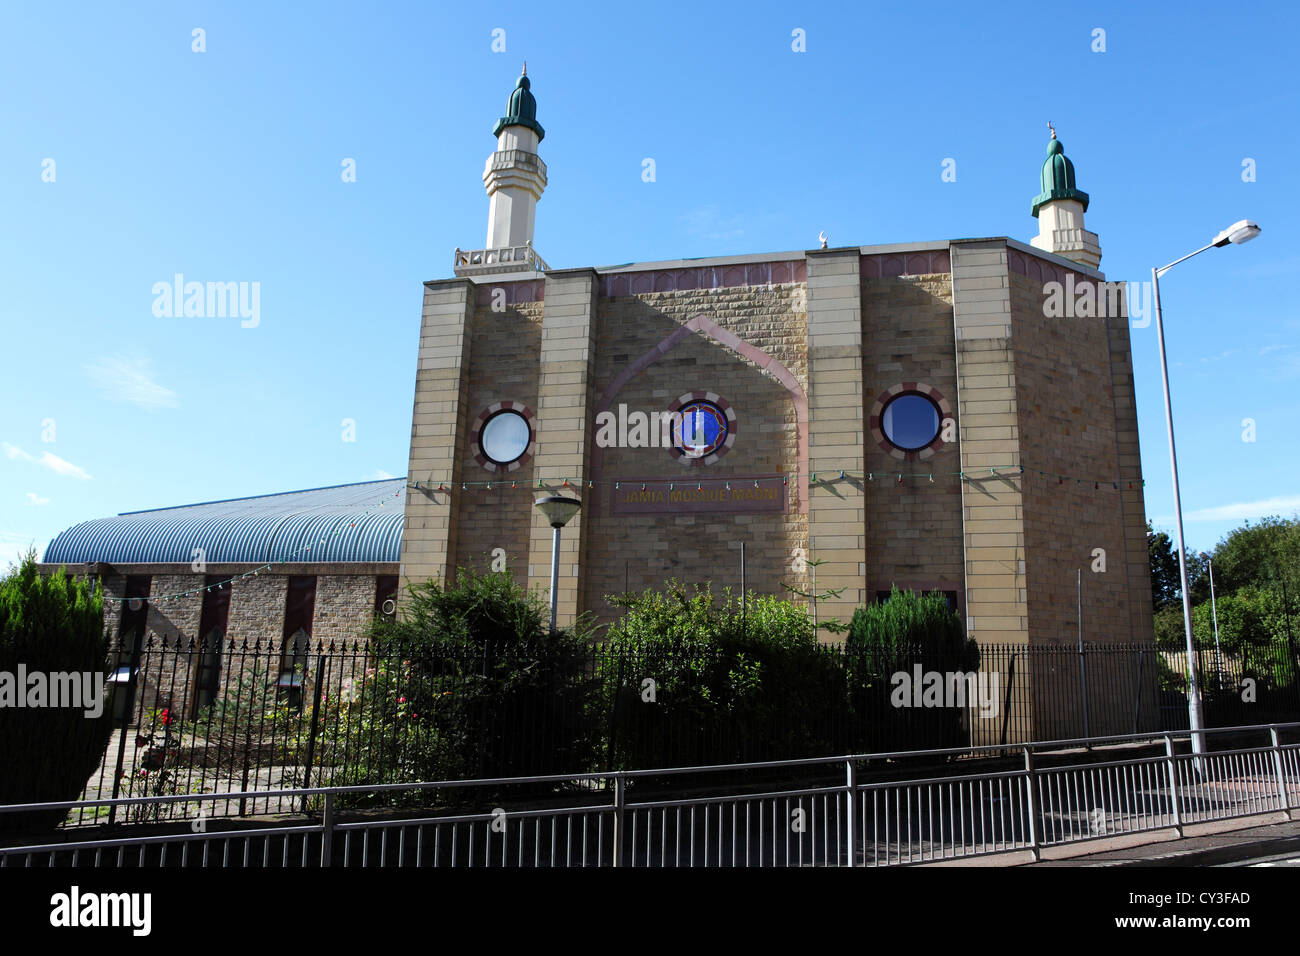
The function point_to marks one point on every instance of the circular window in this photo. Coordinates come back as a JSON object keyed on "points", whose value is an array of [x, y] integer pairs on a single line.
{"points": [[505, 437], [910, 421], [699, 429]]}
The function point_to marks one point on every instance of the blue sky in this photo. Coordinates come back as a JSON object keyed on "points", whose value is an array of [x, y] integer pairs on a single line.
{"points": [[226, 166]]}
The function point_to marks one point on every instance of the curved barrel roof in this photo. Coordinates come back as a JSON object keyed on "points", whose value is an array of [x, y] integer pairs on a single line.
{"points": [[358, 522]]}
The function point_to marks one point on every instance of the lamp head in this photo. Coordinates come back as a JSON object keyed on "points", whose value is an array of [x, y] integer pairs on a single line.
{"points": [[1237, 233], [558, 509]]}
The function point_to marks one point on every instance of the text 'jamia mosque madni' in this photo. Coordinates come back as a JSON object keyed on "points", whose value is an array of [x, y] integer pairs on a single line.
{"points": [[907, 413]]}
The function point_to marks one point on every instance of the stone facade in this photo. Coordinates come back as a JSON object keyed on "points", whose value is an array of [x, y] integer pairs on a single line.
{"points": [[804, 349], [170, 659]]}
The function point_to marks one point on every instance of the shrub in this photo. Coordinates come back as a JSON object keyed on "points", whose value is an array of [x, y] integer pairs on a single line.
{"points": [[727, 686], [50, 624], [892, 637], [485, 673]]}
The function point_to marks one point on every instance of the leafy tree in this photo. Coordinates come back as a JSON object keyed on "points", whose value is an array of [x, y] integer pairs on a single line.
{"points": [[50, 624], [1267, 553], [1166, 586], [1169, 627], [1164, 568]]}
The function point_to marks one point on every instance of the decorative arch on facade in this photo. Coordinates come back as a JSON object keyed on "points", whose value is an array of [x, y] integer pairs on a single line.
{"points": [[702, 325]]}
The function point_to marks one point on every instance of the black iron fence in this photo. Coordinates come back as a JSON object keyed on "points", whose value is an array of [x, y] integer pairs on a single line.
{"points": [[199, 717]]}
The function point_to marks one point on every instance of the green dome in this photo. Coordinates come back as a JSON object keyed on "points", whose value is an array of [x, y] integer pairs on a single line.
{"points": [[1058, 178], [521, 110]]}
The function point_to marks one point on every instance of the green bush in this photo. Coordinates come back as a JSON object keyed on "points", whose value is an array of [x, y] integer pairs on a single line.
{"points": [[727, 687], [895, 636], [49, 624], [485, 673]]}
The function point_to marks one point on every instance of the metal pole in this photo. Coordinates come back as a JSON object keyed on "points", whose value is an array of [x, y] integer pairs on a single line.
{"points": [[1173, 784], [1194, 718], [743, 601], [1137, 692], [127, 709], [620, 800], [1083, 665], [327, 831], [555, 573], [851, 790], [1006, 703], [1284, 802], [1218, 658], [315, 712], [1031, 796], [1286, 614]]}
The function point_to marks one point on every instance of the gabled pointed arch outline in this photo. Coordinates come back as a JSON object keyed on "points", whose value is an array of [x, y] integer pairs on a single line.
{"points": [[703, 325]]}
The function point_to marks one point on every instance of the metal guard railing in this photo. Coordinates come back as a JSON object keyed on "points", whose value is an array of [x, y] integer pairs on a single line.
{"points": [[1055, 795]]}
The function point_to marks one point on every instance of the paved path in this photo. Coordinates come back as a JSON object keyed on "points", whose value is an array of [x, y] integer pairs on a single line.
{"points": [[1277, 843]]}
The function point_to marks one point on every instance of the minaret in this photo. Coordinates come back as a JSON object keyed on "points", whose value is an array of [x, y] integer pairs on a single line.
{"points": [[515, 176], [1059, 209]]}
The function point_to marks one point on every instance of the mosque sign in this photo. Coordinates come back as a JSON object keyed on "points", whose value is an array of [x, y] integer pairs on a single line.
{"points": [[737, 494]]}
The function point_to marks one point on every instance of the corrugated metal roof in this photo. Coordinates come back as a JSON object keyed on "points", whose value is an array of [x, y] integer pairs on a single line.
{"points": [[295, 525]]}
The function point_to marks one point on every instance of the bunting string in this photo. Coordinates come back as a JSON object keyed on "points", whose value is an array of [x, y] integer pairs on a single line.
{"points": [[826, 477]]}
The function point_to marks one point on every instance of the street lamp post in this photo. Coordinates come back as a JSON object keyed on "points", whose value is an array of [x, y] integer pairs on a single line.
{"points": [[558, 510], [1237, 233], [1214, 610]]}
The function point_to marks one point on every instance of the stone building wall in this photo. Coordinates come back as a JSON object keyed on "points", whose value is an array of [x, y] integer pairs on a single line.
{"points": [[1067, 425], [503, 367], [913, 527], [170, 657], [639, 551]]}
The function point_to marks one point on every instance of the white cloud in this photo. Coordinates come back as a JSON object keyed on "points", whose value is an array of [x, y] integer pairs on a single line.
{"points": [[129, 379], [47, 460], [14, 546], [1241, 511], [34, 499], [381, 475]]}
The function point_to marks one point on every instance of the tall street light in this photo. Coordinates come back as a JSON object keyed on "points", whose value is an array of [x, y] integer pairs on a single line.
{"points": [[1237, 233], [558, 510]]}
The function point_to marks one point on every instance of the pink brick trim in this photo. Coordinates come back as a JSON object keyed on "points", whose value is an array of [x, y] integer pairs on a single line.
{"points": [[614, 284], [893, 264], [1040, 270]]}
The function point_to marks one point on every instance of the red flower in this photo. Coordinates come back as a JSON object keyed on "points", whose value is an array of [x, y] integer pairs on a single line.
{"points": [[166, 716], [401, 700]]}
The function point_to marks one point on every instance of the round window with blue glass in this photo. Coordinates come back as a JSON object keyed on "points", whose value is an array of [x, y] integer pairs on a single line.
{"points": [[699, 428], [911, 421]]}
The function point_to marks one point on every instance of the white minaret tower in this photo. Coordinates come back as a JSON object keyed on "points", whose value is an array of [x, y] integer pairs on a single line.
{"points": [[515, 175], [1060, 208]]}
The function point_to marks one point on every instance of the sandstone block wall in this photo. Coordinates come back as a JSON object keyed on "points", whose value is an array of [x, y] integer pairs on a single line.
{"points": [[913, 527]]}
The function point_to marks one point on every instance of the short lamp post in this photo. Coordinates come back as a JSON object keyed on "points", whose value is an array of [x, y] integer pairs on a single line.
{"points": [[1214, 611], [558, 511], [1237, 233]]}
